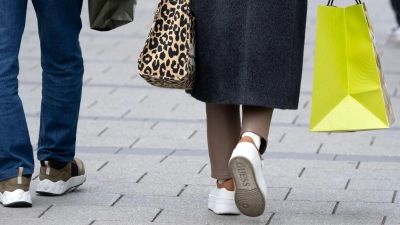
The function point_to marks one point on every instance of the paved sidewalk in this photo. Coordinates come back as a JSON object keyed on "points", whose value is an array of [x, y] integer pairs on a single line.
{"points": [[145, 148]]}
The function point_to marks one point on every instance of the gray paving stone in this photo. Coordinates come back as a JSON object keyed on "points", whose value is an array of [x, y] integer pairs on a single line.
{"points": [[194, 144], [182, 178], [293, 147], [365, 208], [379, 166], [90, 128], [281, 171], [298, 156], [119, 164], [132, 214], [300, 207], [95, 141], [191, 153], [176, 164], [93, 162], [162, 202], [181, 135], [392, 220], [338, 143], [132, 188], [288, 163], [93, 93], [293, 182], [106, 109], [365, 158], [39, 221], [145, 151], [202, 191], [277, 193], [97, 150], [155, 142], [284, 116], [389, 61], [128, 176], [205, 216], [294, 141], [119, 222], [180, 126], [352, 173], [363, 184], [306, 219], [126, 129], [339, 195], [9, 214], [381, 145], [80, 196]]}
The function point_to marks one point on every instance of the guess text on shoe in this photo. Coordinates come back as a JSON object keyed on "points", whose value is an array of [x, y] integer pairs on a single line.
{"points": [[241, 168]]}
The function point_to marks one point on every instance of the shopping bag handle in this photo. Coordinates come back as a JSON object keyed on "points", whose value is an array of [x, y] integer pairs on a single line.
{"points": [[331, 2]]}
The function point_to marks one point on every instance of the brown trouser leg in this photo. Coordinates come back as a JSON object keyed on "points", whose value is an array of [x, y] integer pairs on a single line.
{"points": [[224, 131], [257, 120]]}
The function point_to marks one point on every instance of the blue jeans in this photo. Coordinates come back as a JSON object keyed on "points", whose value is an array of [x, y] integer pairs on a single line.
{"points": [[61, 59]]}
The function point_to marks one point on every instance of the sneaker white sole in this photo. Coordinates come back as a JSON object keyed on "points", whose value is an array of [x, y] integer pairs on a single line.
{"points": [[250, 187], [47, 187], [223, 205], [17, 198]]}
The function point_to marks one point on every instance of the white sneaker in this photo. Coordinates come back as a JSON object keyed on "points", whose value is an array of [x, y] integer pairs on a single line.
{"points": [[245, 166], [222, 201], [14, 192], [395, 35]]}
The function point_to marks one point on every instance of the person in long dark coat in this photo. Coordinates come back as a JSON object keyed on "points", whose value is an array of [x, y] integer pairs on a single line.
{"points": [[250, 54]]}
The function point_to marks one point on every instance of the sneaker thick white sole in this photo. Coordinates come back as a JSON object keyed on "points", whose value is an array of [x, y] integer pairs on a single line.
{"points": [[17, 198], [250, 187], [47, 187], [221, 201]]}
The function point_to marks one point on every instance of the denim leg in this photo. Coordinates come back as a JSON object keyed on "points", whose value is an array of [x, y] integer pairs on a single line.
{"points": [[59, 27], [396, 8], [15, 146]]}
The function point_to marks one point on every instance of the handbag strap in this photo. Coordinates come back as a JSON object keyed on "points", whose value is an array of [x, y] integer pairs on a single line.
{"points": [[331, 2]]}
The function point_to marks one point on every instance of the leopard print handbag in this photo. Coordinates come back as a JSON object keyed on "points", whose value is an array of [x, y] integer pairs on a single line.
{"points": [[168, 56]]}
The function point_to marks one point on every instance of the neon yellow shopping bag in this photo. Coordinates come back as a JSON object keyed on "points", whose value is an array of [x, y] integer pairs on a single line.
{"points": [[349, 92]]}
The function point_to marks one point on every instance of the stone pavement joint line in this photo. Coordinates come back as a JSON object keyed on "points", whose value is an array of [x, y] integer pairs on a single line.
{"points": [[102, 166], [45, 211], [334, 209], [159, 213], [119, 198], [384, 220], [140, 178], [270, 219]]}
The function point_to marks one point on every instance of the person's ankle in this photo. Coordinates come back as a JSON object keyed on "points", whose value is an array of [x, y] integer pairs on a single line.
{"points": [[228, 184]]}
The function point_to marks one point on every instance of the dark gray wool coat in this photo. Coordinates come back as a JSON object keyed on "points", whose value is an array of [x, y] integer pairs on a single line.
{"points": [[249, 52]]}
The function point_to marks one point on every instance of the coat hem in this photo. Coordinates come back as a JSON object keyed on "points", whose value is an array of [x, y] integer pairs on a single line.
{"points": [[266, 104]]}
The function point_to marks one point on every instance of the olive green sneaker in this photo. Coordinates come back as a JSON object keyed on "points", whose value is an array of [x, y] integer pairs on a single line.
{"points": [[14, 192], [57, 178]]}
